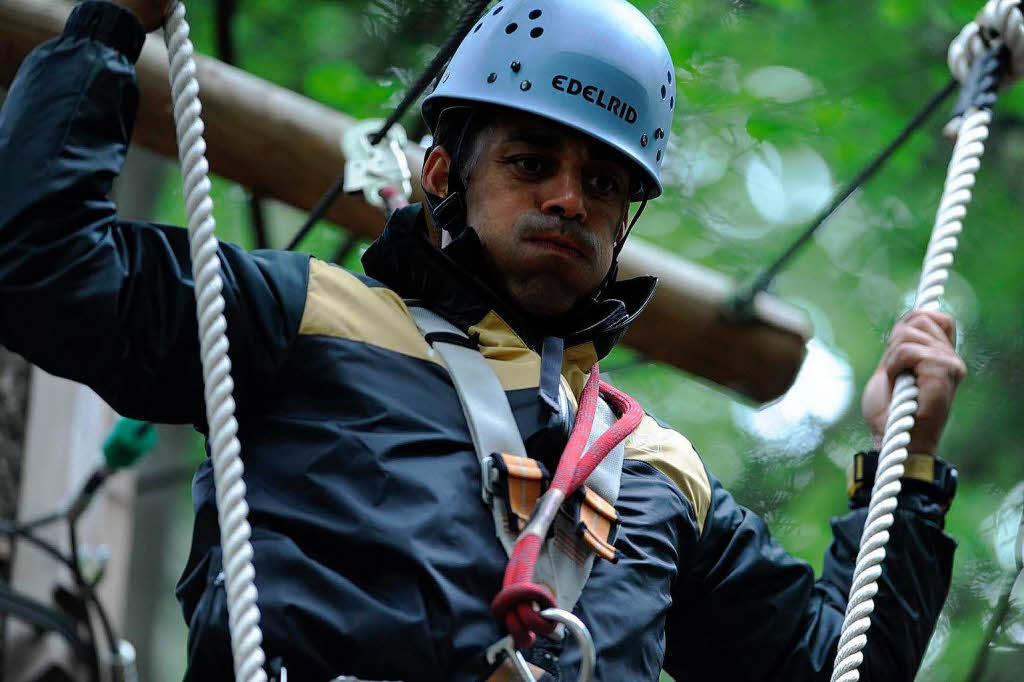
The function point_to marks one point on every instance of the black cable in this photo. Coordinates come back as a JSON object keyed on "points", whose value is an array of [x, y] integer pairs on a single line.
{"points": [[39, 615], [76, 573], [85, 590], [318, 211], [444, 54], [226, 52], [442, 57], [346, 248], [742, 305], [88, 594]]}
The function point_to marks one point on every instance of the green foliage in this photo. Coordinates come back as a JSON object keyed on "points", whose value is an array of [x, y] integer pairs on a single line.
{"points": [[851, 75]]}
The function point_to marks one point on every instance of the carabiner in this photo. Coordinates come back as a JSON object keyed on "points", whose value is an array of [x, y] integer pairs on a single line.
{"points": [[588, 653], [507, 645]]}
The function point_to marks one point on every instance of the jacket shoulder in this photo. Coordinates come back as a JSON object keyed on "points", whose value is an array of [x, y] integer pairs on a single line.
{"points": [[344, 305], [671, 453]]}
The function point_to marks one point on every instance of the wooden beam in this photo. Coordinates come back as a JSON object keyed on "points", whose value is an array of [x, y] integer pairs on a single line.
{"points": [[286, 146]]}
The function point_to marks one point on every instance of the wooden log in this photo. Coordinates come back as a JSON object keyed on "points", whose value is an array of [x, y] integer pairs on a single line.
{"points": [[280, 144]]}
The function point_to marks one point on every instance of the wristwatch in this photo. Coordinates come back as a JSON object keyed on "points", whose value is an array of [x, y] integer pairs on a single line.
{"points": [[923, 472]]}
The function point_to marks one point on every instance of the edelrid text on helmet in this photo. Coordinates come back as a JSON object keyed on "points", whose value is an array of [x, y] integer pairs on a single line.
{"points": [[594, 94], [597, 66]]}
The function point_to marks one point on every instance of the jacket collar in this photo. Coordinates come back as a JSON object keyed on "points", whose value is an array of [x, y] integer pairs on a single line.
{"points": [[452, 283]]}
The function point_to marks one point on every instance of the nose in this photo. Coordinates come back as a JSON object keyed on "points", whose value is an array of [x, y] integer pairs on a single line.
{"points": [[564, 196]]}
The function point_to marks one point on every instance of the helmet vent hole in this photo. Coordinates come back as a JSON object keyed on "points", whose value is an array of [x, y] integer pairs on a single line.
{"points": [[535, 14], [497, 10], [524, 86], [492, 77], [658, 134], [663, 92], [659, 156], [478, 26], [670, 77], [672, 103], [537, 32], [643, 140], [511, 28]]}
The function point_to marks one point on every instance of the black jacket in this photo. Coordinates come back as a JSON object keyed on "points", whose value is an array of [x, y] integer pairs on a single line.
{"points": [[374, 555]]}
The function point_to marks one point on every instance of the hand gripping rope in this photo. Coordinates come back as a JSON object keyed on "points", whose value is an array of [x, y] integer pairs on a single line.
{"points": [[524, 607], [232, 511], [985, 46]]}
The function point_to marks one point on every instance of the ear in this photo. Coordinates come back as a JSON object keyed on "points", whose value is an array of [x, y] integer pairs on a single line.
{"points": [[434, 176]]}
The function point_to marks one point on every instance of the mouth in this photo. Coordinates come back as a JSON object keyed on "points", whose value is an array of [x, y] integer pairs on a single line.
{"points": [[559, 244]]}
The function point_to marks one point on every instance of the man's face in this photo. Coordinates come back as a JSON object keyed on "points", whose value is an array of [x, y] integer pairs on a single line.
{"points": [[548, 205]]}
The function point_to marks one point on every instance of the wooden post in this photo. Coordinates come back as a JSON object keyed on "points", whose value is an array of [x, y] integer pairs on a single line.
{"points": [[285, 146], [67, 425]]}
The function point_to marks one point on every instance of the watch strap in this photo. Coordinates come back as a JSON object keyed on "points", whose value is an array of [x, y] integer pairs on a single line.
{"points": [[920, 471]]}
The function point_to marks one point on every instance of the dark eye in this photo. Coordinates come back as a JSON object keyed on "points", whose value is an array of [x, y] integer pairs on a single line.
{"points": [[531, 165], [605, 184]]}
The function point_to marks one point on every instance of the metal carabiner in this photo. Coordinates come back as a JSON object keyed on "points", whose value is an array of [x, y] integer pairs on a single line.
{"points": [[368, 167], [588, 653], [507, 645]]}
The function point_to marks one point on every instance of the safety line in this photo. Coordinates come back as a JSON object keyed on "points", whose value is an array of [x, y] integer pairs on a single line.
{"points": [[415, 90], [741, 307]]}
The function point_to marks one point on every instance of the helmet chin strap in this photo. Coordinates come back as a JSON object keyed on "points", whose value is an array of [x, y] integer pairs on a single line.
{"points": [[613, 271], [449, 214]]}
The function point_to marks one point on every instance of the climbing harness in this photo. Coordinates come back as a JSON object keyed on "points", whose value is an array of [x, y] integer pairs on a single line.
{"points": [[522, 597], [543, 580], [987, 52], [232, 510]]}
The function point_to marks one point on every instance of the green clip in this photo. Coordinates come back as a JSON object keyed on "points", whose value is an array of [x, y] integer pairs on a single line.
{"points": [[128, 442]]}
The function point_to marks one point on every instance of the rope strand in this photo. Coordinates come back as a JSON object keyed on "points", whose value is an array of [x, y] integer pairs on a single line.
{"points": [[986, 67], [232, 510]]}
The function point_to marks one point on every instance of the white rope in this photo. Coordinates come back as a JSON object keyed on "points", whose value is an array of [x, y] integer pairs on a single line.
{"points": [[232, 510], [998, 21]]}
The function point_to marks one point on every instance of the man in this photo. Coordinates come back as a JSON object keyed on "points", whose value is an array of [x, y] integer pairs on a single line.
{"points": [[374, 555]]}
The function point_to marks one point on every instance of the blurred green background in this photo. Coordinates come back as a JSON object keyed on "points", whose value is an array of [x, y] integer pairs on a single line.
{"points": [[781, 102]]}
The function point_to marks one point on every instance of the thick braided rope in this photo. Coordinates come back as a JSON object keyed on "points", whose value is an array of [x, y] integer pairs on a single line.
{"points": [[232, 510], [996, 21], [937, 262], [999, 20]]}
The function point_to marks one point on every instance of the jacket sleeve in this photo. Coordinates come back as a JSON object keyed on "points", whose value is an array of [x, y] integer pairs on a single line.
{"points": [[744, 609], [104, 302]]}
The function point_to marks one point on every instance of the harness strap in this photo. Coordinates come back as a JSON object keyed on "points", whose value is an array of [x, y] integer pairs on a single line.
{"points": [[519, 481], [512, 482], [491, 423]]}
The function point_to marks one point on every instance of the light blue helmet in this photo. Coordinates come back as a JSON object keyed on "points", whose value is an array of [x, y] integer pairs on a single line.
{"points": [[598, 66]]}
